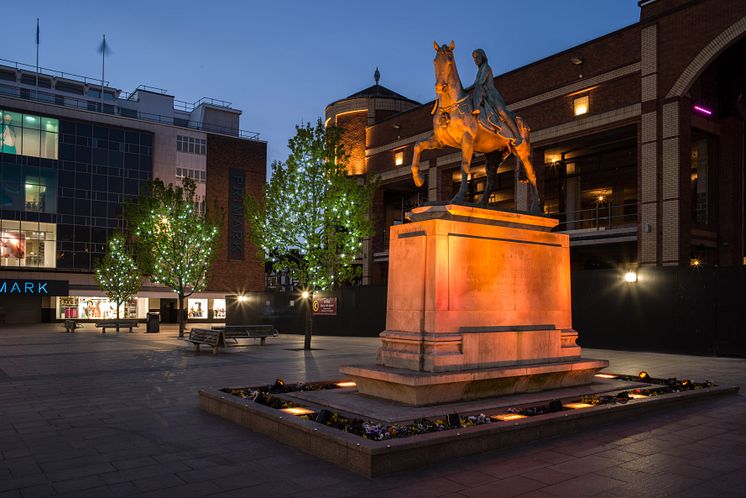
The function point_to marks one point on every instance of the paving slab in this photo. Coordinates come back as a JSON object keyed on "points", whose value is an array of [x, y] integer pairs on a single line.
{"points": [[127, 397]]}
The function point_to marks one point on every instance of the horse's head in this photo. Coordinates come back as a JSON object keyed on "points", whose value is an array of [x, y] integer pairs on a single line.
{"points": [[445, 66]]}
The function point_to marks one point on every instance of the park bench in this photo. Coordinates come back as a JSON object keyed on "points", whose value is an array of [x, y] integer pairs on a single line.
{"points": [[118, 324], [208, 337], [236, 332], [72, 325]]}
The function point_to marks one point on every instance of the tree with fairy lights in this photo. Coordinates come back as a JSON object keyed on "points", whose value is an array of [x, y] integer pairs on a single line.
{"points": [[117, 273], [314, 216], [176, 243]]}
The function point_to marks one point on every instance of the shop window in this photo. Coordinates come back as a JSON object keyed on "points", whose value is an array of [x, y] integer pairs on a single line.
{"points": [[218, 308], [27, 244], [197, 308], [95, 308]]}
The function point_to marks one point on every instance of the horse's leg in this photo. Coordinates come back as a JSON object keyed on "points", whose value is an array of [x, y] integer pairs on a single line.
{"points": [[494, 160], [523, 152], [467, 152], [425, 144]]}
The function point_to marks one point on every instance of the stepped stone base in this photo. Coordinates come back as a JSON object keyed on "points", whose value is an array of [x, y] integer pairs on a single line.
{"points": [[427, 388]]}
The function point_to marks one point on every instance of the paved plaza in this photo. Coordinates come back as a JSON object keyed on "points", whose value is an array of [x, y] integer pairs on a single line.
{"points": [[87, 414]]}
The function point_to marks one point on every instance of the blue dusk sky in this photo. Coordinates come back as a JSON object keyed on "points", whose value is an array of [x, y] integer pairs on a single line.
{"points": [[282, 62]]}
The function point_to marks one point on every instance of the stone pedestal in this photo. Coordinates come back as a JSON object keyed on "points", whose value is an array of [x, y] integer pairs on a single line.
{"points": [[480, 299]]}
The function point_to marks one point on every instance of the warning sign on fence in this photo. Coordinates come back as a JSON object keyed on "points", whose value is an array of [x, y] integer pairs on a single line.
{"points": [[324, 305]]}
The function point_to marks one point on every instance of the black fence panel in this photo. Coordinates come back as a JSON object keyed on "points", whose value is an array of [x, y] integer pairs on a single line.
{"points": [[361, 311], [696, 310]]}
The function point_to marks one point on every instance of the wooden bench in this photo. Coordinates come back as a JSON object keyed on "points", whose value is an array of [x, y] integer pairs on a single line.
{"points": [[236, 332], [72, 325], [123, 324], [208, 337]]}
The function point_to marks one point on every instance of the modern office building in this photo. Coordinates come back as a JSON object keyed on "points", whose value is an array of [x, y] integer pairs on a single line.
{"points": [[69, 158], [637, 136]]}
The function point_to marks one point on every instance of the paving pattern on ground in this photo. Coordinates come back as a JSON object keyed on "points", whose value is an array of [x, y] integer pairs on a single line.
{"points": [[87, 414]]}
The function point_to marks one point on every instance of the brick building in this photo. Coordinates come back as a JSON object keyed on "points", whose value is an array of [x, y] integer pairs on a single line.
{"points": [[637, 137], [73, 151]]}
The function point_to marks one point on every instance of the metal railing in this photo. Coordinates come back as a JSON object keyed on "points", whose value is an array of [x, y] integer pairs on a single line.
{"points": [[602, 216], [27, 93], [52, 72]]}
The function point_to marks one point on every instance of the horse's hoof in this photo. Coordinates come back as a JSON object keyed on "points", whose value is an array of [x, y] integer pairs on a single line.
{"points": [[418, 180]]}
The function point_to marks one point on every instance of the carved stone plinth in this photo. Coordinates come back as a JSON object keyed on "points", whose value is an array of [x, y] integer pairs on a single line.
{"points": [[476, 289]]}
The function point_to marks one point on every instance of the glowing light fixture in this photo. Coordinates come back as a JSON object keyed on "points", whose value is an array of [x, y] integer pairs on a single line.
{"points": [[399, 158], [637, 396], [296, 410], [600, 198], [304, 294], [346, 383], [507, 417], [695, 263], [577, 406], [605, 376], [702, 110], [630, 277], [580, 105], [242, 299]]}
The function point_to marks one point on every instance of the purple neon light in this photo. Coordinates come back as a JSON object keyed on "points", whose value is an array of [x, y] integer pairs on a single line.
{"points": [[703, 110]]}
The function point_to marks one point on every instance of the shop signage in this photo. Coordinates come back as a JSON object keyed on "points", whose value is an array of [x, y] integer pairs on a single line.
{"points": [[236, 184], [34, 287], [324, 306]]}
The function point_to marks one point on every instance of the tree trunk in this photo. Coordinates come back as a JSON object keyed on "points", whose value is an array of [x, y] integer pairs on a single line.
{"points": [[117, 303], [309, 324], [182, 324]]}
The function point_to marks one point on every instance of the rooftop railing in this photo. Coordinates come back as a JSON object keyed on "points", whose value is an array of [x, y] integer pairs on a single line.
{"points": [[110, 107], [52, 72]]}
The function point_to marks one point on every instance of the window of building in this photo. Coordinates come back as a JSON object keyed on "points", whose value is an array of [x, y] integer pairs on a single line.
{"points": [[581, 105], [27, 244], [94, 308], [199, 176], [28, 135], [191, 145], [700, 179]]}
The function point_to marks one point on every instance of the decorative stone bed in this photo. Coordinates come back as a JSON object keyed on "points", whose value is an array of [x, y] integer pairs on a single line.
{"points": [[373, 437]]}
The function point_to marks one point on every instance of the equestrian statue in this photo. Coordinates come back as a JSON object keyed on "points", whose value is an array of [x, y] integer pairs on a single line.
{"points": [[480, 122]]}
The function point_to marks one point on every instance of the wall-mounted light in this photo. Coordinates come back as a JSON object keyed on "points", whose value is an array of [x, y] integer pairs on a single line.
{"points": [[242, 299], [630, 277], [399, 158], [580, 105], [702, 110], [695, 263]]}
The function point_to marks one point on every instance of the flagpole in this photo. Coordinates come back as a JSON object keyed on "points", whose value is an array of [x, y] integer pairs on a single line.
{"points": [[37, 58], [103, 67]]}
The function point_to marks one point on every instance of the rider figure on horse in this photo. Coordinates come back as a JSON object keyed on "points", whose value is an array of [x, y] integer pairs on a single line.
{"points": [[486, 100]]}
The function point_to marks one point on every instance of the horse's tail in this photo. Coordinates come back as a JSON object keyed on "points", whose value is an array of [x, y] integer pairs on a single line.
{"points": [[523, 130]]}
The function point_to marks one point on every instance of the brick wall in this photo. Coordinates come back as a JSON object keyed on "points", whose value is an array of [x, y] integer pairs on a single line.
{"points": [[223, 154], [353, 138]]}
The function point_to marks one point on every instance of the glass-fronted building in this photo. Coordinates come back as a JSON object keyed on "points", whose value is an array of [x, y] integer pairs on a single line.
{"points": [[67, 167]]}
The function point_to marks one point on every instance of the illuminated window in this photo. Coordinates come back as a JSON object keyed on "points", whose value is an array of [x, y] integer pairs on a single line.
{"points": [[28, 135], [399, 158], [580, 105]]}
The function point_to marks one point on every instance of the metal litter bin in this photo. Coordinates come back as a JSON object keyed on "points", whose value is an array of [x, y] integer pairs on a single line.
{"points": [[153, 322]]}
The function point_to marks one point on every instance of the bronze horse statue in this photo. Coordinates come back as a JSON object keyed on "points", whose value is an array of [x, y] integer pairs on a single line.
{"points": [[454, 125]]}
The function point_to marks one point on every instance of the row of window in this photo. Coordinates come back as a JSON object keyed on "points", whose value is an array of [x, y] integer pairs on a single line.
{"points": [[199, 176], [191, 145]]}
